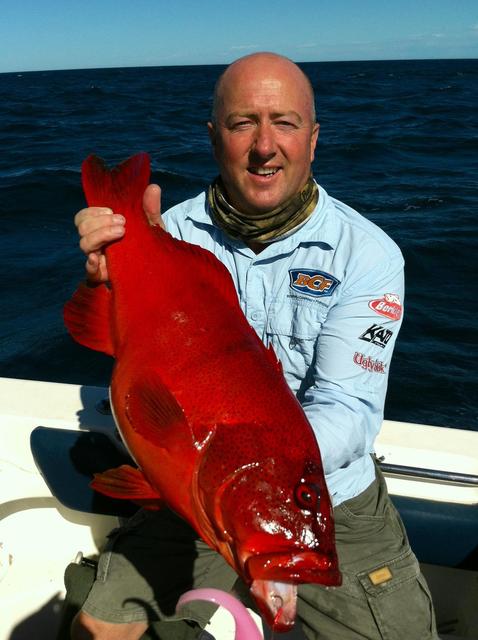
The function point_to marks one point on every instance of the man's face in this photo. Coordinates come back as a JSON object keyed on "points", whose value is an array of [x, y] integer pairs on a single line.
{"points": [[264, 136]]}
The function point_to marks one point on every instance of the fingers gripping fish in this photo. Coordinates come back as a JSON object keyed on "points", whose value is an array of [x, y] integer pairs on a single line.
{"points": [[197, 396]]}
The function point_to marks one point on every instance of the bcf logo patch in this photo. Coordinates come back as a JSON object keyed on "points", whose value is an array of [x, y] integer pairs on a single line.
{"points": [[313, 283]]}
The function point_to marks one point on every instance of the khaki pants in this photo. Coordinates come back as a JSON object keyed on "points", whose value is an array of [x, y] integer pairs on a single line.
{"points": [[156, 557], [383, 595]]}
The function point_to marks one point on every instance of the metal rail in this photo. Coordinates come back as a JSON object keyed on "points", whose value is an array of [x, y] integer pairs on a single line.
{"points": [[466, 479]]}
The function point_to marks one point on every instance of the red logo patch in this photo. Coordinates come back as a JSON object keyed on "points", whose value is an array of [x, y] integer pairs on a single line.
{"points": [[368, 363], [388, 306]]}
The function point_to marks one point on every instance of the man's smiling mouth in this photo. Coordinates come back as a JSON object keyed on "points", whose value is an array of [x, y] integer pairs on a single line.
{"points": [[263, 171]]}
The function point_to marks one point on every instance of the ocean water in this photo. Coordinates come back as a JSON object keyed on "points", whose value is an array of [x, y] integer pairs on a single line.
{"points": [[398, 142]]}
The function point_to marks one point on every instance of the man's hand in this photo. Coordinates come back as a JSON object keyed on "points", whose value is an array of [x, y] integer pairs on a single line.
{"points": [[98, 226]]}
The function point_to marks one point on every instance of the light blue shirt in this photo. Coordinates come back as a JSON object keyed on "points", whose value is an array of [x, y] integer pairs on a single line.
{"points": [[329, 299]]}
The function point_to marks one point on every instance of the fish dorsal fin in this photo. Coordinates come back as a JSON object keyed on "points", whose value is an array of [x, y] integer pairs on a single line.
{"points": [[207, 267], [127, 483], [155, 414], [106, 187], [87, 316]]}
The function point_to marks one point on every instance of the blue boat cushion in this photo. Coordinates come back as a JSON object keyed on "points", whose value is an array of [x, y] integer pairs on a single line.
{"points": [[441, 533], [68, 459]]}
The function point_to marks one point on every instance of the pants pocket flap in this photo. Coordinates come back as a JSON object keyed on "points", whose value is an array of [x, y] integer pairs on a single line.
{"points": [[389, 576]]}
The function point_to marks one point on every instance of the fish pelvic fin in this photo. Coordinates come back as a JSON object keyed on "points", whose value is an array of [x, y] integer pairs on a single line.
{"points": [[106, 187], [127, 483], [155, 414], [87, 316]]}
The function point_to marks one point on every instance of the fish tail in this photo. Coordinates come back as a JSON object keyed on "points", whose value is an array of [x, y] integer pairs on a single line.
{"points": [[114, 188]]}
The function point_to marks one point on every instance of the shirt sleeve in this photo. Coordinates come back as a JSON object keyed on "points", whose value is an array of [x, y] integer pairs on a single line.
{"points": [[345, 401]]}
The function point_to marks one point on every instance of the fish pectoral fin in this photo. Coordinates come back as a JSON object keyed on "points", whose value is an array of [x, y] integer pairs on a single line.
{"points": [[87, 316], [155, 414], [127, 483]]}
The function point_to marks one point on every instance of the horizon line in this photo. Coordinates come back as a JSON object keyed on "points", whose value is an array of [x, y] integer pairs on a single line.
{"points": [[225, 64]]}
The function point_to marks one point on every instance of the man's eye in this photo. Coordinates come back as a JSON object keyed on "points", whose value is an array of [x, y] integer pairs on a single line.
{"points": [[285, 124], [241, 124]]}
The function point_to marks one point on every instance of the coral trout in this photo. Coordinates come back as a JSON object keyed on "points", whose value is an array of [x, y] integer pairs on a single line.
{"points": [[202, 405]]}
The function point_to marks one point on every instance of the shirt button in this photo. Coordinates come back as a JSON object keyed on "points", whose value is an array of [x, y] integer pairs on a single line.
{"points": [[256, 315]]}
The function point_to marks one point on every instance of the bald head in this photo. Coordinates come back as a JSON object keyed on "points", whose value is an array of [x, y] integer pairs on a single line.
{"points": [[264, 132], [263, 64]]}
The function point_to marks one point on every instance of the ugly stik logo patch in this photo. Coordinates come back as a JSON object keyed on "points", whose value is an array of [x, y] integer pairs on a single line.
{"points": [[313, 283]]}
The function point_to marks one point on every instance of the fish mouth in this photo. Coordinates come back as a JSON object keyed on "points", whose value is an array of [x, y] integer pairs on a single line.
{"points": [[277, 602], [302, 567], [275, 577]]}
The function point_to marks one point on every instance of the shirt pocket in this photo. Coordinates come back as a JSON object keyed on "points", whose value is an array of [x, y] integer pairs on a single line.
{"points": [[293, 330]]}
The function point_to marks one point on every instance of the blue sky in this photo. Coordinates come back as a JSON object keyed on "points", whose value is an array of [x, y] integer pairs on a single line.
{"points": [[69, 34]]}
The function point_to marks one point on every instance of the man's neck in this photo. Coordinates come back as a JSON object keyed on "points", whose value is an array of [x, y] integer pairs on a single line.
{"points": [[267, 226], [257, 247]]}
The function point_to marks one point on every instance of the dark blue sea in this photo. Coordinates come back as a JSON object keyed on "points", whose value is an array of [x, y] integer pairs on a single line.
{"points": [[398, 142]]}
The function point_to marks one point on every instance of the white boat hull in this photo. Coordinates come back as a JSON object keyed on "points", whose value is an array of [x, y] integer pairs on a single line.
{"points": [[39, 536]]}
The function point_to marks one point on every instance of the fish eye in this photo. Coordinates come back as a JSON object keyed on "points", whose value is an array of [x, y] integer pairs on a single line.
{"points": [[306, 496]]}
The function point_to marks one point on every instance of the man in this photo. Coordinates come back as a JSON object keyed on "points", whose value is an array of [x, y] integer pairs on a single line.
{"points": [[325, 287]]}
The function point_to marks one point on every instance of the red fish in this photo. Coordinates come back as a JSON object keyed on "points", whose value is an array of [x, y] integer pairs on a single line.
{"points": [[198, 398]]}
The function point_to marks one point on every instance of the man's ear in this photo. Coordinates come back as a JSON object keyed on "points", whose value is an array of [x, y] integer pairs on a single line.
{"points": [[313, 140], [211, 129]]}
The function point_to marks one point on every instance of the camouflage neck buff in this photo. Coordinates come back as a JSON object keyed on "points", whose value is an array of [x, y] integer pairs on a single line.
{"points": [[261, 227]]}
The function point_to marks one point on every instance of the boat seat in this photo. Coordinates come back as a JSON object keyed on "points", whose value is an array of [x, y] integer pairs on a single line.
{"points": [[441, 533], [67, 460]]}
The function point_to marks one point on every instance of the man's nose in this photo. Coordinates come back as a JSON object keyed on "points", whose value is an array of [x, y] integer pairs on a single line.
{"points": [[264, 143]]}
